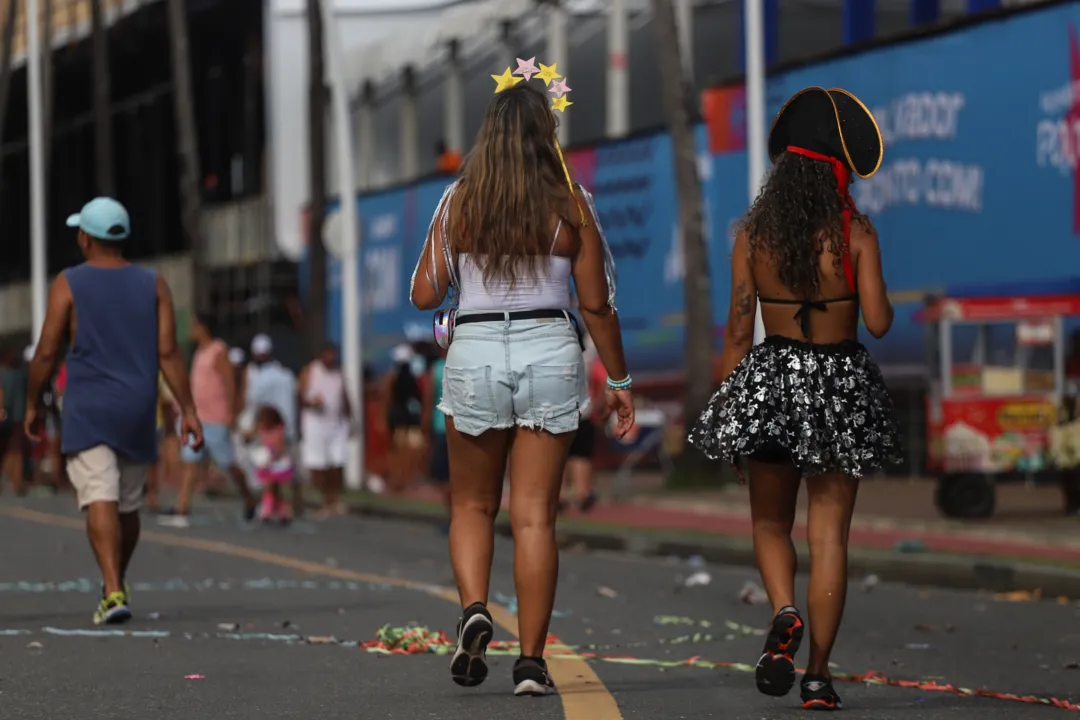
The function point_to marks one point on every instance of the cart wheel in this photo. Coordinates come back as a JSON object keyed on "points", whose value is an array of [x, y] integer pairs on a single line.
{"points": [[966, 496]]}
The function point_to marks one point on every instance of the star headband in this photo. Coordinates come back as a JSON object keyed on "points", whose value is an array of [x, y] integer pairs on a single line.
{"points": [[556, 84]]}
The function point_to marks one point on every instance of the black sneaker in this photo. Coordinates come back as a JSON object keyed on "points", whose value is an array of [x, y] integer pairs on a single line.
{"points": [[469, 666], [531, 677], [818, 694], [775, 671]]}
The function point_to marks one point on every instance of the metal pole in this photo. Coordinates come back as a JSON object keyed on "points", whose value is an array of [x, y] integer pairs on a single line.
{"points": [[366, 131], [754, 17], [684, 21], [315, 311], [506, 43], [352, 317], [454, 129], [38, 260], [559, 55], [618, 74], [410, 130]]}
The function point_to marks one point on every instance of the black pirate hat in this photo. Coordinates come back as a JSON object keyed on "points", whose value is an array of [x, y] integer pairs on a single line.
{"points": [[830, 122]]}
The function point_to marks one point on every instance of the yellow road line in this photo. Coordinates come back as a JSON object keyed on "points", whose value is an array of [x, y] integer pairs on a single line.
{"points": [[584, 695]]}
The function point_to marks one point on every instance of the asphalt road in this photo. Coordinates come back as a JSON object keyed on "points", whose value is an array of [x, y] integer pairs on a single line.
{"points": [[232, 606]]}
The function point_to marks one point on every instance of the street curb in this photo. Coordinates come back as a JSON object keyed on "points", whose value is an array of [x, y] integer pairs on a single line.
{"points": [[941, 571]]}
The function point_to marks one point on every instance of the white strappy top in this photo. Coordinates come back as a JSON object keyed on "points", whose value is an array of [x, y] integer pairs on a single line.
{"points": [[547, 286]]}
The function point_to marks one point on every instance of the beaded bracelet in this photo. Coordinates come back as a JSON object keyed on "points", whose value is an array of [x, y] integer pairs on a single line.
{"points": [[623, 384]]}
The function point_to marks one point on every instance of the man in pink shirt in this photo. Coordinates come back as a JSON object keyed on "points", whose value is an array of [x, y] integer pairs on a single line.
{"points": [[213, 387]]}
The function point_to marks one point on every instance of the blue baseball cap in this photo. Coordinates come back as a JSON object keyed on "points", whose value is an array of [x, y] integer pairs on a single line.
{"points": [[103, 218]]}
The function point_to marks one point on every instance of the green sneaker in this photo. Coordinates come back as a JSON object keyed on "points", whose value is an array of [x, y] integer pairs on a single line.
{"points": [[127, 593], [112, 610]]}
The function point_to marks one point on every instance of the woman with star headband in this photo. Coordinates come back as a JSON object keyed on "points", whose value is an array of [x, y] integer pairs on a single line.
{"points": [[808, 403], [506, 240]]}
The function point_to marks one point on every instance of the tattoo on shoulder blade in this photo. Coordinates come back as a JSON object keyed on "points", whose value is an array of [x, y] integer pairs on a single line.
{"points": [[743, 301]]}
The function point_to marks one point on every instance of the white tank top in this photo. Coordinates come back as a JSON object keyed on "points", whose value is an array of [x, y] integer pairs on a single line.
{"points": [[548, 287], [330, 386]]}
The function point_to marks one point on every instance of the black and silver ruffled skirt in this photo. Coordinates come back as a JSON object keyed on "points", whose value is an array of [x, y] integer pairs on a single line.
{"points": [[823, 407]]}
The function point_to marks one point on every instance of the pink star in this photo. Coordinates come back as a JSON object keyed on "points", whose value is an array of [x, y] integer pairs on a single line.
{"points": [[527, 68], [559, 87]]}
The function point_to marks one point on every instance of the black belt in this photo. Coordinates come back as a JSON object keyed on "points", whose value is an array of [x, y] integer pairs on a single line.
{"points": [[512, 315]]}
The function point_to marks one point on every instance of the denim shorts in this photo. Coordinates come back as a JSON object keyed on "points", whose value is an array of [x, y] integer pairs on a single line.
{"points": [[217, 444], [504, 373]]}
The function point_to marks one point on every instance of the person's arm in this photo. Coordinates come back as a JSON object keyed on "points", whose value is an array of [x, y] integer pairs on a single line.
{"points": [[431, 278], [47, 354], [877, 311], [739, 332], [228, 376], [591, 284], [170, 360]]}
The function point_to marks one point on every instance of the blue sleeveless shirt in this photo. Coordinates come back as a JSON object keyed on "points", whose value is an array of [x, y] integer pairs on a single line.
{"points": [[112, 365]]}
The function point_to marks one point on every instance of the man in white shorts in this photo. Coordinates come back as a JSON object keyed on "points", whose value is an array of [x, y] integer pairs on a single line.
{"points": [[325, 419]]}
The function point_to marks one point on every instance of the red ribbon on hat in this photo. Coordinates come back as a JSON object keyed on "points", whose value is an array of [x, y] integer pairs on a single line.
{"points": [[840, 170]]}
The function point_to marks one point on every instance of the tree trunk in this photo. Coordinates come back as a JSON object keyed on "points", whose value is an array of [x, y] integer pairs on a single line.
{"points": [[103, 136], [693, 467], [5, 73], [187, 143], [315, 316]]}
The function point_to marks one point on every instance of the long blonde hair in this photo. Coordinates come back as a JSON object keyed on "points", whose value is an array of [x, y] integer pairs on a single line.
{"points": [[511, 187]]}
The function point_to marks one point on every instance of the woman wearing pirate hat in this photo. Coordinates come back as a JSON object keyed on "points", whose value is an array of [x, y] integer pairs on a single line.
{"points": [[808, 403]]}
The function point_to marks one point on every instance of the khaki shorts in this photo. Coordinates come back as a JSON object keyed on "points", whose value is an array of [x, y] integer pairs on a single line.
{"points": [[98, 475]]}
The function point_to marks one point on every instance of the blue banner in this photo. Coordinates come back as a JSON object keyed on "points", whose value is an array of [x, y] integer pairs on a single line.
{"points": [[979, 186]]}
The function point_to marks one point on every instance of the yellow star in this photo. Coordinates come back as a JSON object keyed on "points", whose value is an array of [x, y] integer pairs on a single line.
{"points": [[506, 80], [561, 103], [547, 73]]}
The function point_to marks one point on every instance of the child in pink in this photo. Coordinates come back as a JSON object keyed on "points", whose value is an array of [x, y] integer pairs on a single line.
{"points": [[273, 465]]}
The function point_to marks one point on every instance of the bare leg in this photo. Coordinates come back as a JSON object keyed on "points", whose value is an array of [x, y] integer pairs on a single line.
{"points": [[240, 481], [476, 472], [335, 483], [536, 471], [129, 538], [832, 501], [38, 465], [187, 487], [318, 481], [170, 459], [153, 478], [58, 465], [774, 491], [103, 528], [297, 498], [13, 468]]}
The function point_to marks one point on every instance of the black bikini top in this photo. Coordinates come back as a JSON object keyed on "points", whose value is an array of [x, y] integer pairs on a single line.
{"points": [[805, 306]]}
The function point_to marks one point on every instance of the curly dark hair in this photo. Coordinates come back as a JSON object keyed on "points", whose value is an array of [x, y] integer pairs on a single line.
{"points": [[795, 218]]}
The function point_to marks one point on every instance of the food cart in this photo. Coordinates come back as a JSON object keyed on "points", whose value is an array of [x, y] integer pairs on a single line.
{"points": [[997, 369]]}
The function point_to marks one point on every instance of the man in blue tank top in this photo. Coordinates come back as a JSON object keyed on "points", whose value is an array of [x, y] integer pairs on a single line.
{"points": [[117, 319]]}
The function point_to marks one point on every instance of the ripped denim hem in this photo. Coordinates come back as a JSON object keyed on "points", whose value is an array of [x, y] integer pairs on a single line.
{"points": [[560, 426]]}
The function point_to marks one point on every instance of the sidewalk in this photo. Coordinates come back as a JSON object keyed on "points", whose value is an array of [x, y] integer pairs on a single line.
{"points": [[891, 515]]}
